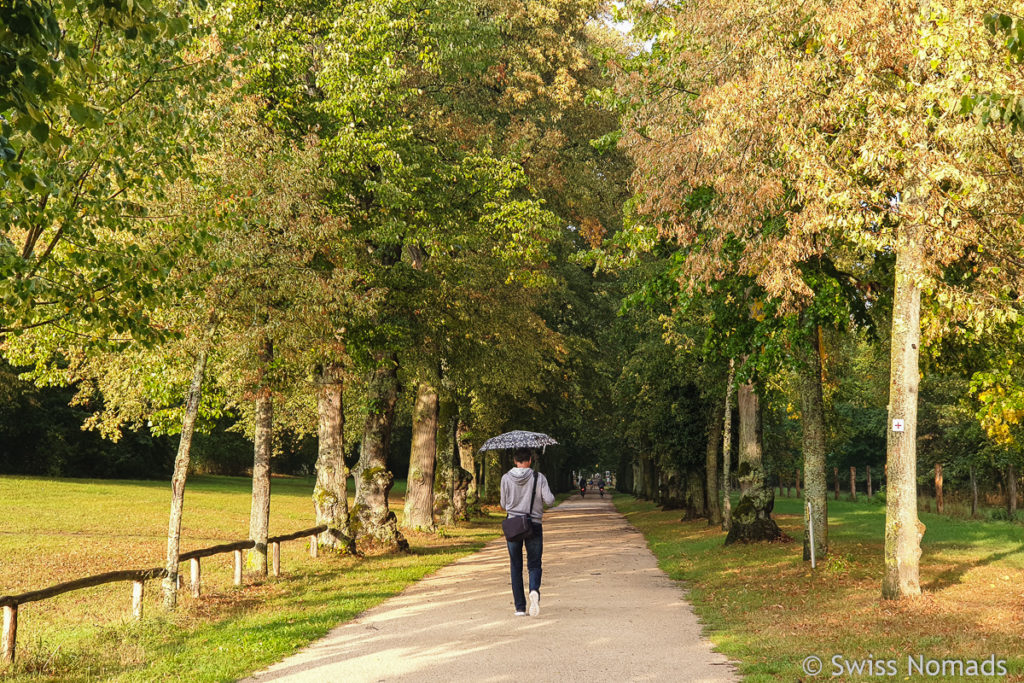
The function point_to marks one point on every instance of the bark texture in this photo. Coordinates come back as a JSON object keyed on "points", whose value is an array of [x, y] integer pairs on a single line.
{"points": [[751, 520], [330, 493], [372, 519], [938, 488], [711, 466], [467, 457], [181, 462], [903, 529], [263, 442], [727, 453], [813, 427], [419, 499]]}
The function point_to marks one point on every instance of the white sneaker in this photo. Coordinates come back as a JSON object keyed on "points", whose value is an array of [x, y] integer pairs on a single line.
{"points": [[534, 603], [520, 614]]}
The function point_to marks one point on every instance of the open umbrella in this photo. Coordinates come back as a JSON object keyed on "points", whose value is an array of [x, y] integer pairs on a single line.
{"points": [[518, 439]]}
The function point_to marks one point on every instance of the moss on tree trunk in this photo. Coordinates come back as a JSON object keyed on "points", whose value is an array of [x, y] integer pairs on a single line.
{"points": [[263, 445], [419, 497], [330, 494], [813, 427], [903, 529], [751, 518], [372, 519]]}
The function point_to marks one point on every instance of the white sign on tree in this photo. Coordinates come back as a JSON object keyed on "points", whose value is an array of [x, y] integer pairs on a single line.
{"points": [[897, 425]]}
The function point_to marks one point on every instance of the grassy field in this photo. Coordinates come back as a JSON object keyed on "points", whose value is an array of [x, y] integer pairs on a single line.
{"points": [[57, 530], [764, 607]]}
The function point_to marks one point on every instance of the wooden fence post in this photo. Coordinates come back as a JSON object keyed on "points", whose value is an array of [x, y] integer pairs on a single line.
{"points": [[836, 471], [238, 567], [938, 488], [313, 546], [10, 634], [196, 574], [853, 483], [138, 591], [276, 558]]}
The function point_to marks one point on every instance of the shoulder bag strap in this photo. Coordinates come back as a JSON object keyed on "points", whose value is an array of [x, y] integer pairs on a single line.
{"points": [[533, 494]]}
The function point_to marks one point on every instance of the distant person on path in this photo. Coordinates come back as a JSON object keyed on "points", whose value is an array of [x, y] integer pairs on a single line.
{"points": [[516, 491]]}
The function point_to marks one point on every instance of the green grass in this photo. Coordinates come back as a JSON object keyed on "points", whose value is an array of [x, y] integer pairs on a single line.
{"points": [[764, 607], [56, 530]]}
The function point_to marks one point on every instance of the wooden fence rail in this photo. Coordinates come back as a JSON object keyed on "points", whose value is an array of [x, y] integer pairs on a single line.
{"points": [[138, 577]]}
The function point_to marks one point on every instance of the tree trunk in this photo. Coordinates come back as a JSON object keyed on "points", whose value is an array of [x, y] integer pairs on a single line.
{"points": [[974, 492], [263, 442], [671, 494], [1011, 491], [813, 441], [853, 483], [461, 478], [330, 493], [903, 529], [938, 488], [467, 458], [493, 476], [798, 483], [751, 521], [868, 471], [835, 471], [711, 466], [727, 451], [419, 497], [372, 519], [693, 495], [181, 461]]}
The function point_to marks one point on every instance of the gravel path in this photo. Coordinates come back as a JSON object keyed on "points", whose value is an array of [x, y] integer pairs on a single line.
{"points": [[607, 612]]}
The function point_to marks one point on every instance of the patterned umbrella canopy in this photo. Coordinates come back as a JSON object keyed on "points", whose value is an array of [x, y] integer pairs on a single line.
{"points": [[518, 439]]}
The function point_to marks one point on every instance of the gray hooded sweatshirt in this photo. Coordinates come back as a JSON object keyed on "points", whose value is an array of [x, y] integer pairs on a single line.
{"points": [[516, 487]]}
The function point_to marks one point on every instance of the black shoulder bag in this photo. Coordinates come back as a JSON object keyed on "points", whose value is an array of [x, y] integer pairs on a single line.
{"points": [[520, 528]]}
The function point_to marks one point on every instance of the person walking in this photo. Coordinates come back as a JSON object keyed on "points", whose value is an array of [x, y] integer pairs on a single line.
{"points": [[517, 492]]}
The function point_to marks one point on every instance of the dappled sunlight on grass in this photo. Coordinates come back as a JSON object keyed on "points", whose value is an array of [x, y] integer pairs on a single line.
{"points": [[57, 530], [764, 606]]}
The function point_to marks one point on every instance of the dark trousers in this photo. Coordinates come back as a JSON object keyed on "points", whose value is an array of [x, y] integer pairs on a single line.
{"points": [[534, 550]]}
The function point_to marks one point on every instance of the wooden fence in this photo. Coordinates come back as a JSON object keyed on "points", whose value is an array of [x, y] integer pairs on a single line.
{"points": [[138, 577]]}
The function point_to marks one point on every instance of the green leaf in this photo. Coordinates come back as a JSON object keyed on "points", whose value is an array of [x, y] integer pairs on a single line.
{"points": [[41, 131]]}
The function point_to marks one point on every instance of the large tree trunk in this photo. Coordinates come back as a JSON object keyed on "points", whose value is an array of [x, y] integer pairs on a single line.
{"points": [[372, 519], [711, 466], [330, 493], [903, 529], [181, 461], [263, 442], [671, 492], [813, 424], [751, 520], [727, 452], [694, 501], [419, 497]]}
